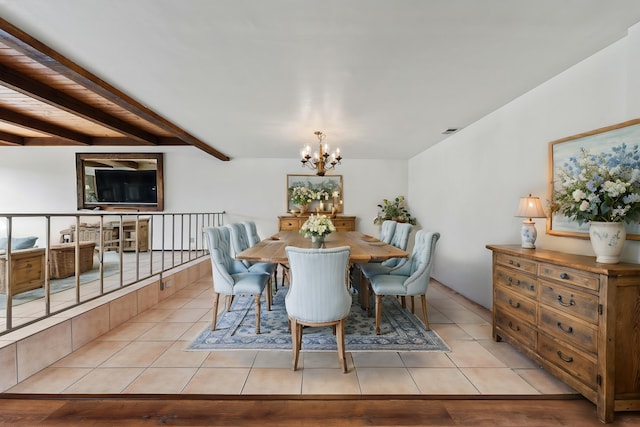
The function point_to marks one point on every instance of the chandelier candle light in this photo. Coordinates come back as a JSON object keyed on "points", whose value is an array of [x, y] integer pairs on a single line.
{"points": [[529, 207], [321, 160]]}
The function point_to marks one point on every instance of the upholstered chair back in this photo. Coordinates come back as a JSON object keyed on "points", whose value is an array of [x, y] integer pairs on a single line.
{"points": [[400, 240], [239, 240], [318, 291], [223, 265], [252, 232], [387, 230], [418, 267]]}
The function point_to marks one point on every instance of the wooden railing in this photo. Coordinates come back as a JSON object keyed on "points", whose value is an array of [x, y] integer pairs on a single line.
{"points": [[81, 257]]}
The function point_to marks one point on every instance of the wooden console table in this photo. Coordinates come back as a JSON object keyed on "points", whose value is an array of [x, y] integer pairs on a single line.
{"points": [[577, 318], [111, 235], [294, 223]]}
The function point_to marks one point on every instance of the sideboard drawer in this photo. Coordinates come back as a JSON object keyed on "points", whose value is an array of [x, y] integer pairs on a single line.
{"points": [[289, 224], [513, 279], [516, 304], [516, 328], [569, 329], [569, 301], [570, 276], [517, 262], [343, 224], [574, 362]]}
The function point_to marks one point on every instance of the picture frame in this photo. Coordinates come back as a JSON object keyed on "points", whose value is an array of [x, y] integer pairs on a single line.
{"points": [[596, 141], [331, 184]]}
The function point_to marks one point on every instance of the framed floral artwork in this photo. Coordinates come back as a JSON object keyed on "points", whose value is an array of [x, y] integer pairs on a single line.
{"points": [[315, 193], [577, 165]]}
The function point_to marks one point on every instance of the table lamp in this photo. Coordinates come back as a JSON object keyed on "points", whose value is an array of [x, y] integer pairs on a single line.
{"points": [[529, 207]]}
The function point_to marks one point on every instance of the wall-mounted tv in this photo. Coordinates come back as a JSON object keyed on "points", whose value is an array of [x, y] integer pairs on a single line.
{"points": [[126, 186], [120, 181]]}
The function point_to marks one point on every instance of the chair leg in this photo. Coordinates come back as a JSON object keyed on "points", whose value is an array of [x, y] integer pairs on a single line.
{"points": [[214, 321], [229, 301], [340, 340], [269, 296], [256, 299], [423, 300], [294, 343], [378, 313], [413, 311], [403, 301]]}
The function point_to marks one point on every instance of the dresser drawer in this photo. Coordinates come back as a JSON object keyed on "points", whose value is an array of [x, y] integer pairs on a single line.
{"points": [[569, 301], [289, 224], [574, 362], [568, 329], [516, 328], [570, 276], [517, 281], [343, 224], [518, 263], [515, 304]]}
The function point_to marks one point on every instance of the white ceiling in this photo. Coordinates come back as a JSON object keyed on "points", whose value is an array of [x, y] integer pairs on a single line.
{"points": [[381, 78]]}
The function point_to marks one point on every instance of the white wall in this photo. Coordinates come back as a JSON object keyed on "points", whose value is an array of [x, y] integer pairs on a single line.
{"points": [[468, 186], [41, 179]]}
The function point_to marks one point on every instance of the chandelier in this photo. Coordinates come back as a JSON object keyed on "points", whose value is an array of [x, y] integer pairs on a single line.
{"points": [[321, 160]]}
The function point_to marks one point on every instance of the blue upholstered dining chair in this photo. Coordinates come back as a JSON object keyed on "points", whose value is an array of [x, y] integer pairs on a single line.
{"points": [[400, 240], [409, 279], [231, 277], [318, 294], [240, 242], [386, 230], [252, 232], [253, 238]]}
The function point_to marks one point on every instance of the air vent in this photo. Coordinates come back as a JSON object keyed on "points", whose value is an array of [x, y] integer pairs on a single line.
{"points": [[450, 131]]}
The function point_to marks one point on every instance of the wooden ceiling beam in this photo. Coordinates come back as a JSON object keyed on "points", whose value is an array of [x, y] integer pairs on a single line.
{"points": [[41, 53], [10, 116], [7, 138], [33, 88]]}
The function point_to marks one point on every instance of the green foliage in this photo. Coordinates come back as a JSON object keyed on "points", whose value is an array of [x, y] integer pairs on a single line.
{"points": [[394, 210]]}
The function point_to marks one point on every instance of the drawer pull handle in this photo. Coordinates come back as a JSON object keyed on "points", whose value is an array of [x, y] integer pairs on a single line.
{"points": [[564, 304], [533, 288], [517, 264], [564, 276], [516, 305], [565, 358], [568, 330], [517, 328]]}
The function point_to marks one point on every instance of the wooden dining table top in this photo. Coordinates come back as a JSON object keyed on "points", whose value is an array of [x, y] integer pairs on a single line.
{"points": [[364, 248]]}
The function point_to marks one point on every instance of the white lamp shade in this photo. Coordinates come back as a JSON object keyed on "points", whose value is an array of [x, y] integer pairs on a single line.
{"points": [[530, 207]]}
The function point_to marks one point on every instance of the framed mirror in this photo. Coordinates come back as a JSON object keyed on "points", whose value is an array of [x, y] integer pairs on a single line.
{"points": [[325, 193], [120, 181]]}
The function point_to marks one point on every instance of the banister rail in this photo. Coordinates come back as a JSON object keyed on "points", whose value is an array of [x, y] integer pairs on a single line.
{"points": [[79, 257]]}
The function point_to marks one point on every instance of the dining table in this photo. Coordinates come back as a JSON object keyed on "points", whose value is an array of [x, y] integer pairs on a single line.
{"points": [[364, 248]]}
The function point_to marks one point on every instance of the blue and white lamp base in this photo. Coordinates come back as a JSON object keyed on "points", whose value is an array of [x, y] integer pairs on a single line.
{"points": [[528, 234]]}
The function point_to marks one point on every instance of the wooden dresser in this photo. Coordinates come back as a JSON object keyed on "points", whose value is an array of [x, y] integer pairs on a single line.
{"points": [[577, 318], [342, 223]]}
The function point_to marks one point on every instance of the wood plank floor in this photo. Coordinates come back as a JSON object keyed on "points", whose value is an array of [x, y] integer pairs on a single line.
{"points": [[285, 412]]}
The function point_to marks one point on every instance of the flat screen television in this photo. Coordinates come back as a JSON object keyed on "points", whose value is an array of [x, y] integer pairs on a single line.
{"points": [[126, 186], [120, 181]]}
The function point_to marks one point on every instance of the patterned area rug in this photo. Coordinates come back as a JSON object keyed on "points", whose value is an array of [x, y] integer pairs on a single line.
{"points": [[400, 330]]}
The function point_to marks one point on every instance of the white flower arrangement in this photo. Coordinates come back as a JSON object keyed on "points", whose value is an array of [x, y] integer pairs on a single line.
{"points": [[317, 225], [301, 195], [603, 187]]}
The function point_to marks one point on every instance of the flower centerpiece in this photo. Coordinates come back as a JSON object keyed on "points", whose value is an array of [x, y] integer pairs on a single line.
{"points": [[301, 196], [318, 227], [395, 211], [601, 188]]}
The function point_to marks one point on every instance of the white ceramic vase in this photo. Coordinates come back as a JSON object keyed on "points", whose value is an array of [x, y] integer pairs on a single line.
{"points": [[607, 240]]}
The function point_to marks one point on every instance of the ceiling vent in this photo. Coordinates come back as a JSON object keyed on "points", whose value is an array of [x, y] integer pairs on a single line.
{"points": [[450, 131]]}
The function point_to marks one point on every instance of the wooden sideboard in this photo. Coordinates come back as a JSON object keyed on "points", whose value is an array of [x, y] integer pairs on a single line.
{"points": [[342, 223], [111, 234], [578, 319]]}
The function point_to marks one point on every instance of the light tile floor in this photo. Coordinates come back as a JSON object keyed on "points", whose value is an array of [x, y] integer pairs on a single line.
{"points": [[146, 356]]}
